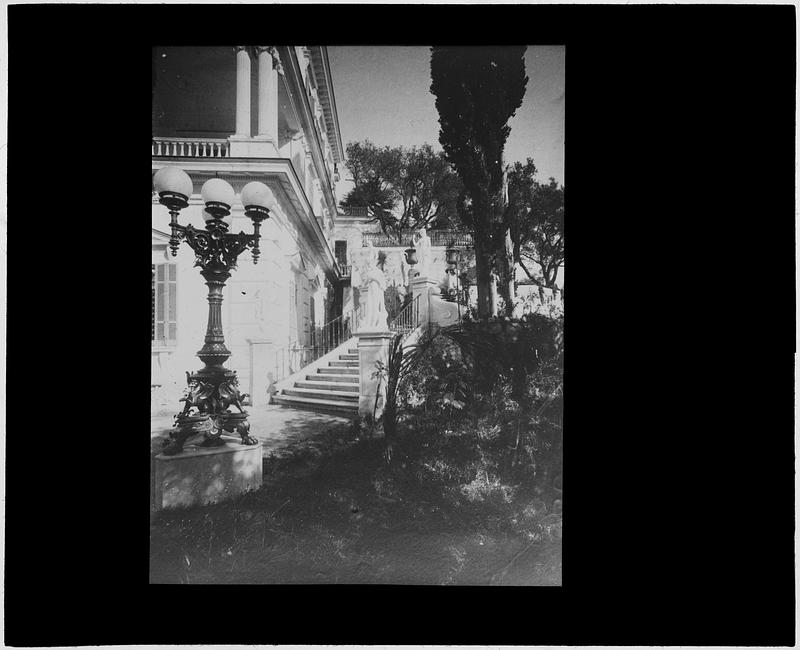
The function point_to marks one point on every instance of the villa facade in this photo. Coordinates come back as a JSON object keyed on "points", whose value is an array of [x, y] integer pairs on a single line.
{"points": [[243, 114]]}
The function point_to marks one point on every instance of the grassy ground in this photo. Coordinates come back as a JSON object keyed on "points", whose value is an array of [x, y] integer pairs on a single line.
{"points": [[331, 511]]}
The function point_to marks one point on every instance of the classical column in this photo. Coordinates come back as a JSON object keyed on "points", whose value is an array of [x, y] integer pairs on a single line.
{"points": [[267, 95], [242, 92]]}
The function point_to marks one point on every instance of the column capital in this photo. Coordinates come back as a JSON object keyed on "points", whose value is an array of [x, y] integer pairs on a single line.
{"points": [[273, 52], [239, 48]]}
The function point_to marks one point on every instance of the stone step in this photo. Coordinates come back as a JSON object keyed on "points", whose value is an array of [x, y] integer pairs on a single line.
{"points": [[343, 364], [344, 396], [349, 378], [348, 357], [348, 409], [337, 371], [352, 351], [350, 387]]}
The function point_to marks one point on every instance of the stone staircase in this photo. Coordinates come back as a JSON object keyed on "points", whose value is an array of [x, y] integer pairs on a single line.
{"points": [[332, 389]]}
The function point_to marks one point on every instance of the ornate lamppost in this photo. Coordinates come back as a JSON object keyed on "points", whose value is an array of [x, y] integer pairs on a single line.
{"points": [[453, 256], [214, 388], [464, 278]]}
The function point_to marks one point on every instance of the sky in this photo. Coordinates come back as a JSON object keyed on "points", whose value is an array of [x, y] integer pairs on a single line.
{"points": [[383, 94]]}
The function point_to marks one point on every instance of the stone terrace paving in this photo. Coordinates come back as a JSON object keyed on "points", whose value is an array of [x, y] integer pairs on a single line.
{"points": [[275, 426]]}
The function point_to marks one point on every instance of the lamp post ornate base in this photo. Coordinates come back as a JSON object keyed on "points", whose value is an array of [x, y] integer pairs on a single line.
{"points": [[210, 394]]}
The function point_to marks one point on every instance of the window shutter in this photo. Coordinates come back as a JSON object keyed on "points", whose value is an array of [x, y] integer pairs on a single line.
{"points": [[165, 305], [172, 301]]}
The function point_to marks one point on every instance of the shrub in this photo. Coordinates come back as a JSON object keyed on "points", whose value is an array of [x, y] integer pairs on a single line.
{"points": [[480, 410]]}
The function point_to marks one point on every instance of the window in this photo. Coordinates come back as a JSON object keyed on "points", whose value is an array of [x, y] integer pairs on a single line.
{"points": [[163, 324], [340, 251]]}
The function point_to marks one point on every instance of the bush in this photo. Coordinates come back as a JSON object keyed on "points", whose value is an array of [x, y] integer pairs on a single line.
{"points": [[440, 380], [483, 410], [503, 348]]}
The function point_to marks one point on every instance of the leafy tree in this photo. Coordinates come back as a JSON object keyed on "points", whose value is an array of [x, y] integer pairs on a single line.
{"points": [[536, 217], [477, 90], [546, 246], [427, 188], [373, 170], [402, 188]]}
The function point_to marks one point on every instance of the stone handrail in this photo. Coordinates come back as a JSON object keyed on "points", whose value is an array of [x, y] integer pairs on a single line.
{"points": [[191, 147]]}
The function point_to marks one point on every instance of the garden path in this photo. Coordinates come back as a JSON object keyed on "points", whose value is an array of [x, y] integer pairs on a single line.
{"points": [[275, 426]]}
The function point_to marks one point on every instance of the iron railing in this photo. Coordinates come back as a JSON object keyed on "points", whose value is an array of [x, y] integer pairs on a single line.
{"points": [[407, 319], [355, 211], [437, 237], [331, 335], [294, 357]]}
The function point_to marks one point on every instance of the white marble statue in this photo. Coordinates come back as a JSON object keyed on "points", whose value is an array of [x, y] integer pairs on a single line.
{"points": [[423, 245], [374, 316], [395, 268], [450, 282], [363, 260]]}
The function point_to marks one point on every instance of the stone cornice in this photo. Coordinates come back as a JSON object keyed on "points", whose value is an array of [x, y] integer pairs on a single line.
{"points": [[322, 70], [299, 98]]}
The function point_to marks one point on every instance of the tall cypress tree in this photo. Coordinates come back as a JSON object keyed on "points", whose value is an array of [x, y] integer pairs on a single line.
{"points": [[477, 90]]}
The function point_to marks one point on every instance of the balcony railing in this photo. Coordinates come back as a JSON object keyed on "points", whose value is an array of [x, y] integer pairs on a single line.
{"points": [[191, 147], [449, 238], [346, 269], [437, 237], [355, 211]]}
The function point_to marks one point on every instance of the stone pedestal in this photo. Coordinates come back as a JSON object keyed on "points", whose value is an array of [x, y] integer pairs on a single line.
{"points": [[372, 347], [442, 312], [199, 476], [260, 368], [424, 287]]}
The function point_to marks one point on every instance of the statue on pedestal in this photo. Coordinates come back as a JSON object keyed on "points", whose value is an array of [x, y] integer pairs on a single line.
{"points": [[423, 245], [373, 313]]}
